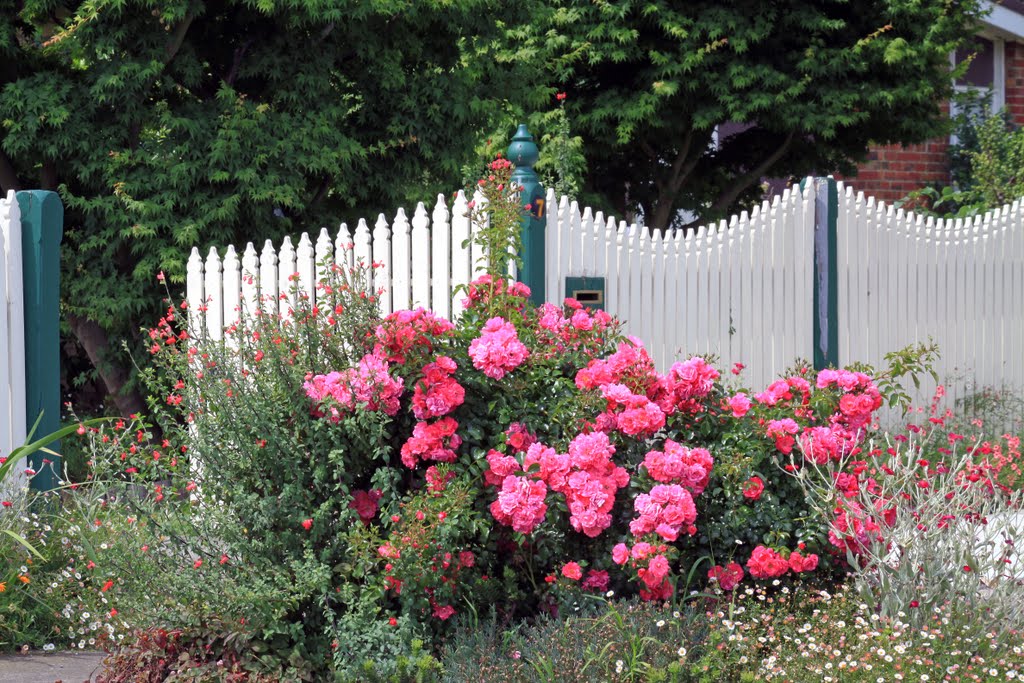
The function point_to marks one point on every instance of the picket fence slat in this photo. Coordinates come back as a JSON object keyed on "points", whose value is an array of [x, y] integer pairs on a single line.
{"points": [[419, 257], [441, 260], [13, 418], [741, 290]]}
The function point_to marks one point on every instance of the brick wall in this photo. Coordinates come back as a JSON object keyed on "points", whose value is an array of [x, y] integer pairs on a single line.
{"points": [[1015, 81], [893, 171]]}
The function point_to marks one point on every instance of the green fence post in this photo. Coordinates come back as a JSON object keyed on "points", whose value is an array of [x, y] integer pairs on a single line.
{"points": [[42, 227], [826, 274], [524, 154]]}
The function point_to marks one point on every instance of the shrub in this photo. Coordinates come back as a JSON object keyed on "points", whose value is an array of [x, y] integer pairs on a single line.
{"points": [[335, 486], [932, 524], [985, 163]]}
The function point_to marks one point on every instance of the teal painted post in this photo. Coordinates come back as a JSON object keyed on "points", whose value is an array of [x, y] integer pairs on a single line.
{"points": [[826, 274], [42, 227], [524, 154]]}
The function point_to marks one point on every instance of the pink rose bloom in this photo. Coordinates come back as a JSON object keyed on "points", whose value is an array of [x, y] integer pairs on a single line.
{"points": [[727, 577], [620, 554], [799, 563], [657, 570], [596, 581], [573, 571], [755, 487], [497, 351], [443, 613], [765, 563], [520, 504], [739, 404]]}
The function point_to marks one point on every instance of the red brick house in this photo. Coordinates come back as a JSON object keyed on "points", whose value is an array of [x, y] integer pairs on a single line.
{"points": [[893, 171]]}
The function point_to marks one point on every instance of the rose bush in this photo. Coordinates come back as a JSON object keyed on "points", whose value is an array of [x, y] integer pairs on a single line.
{"points": [[331, 478]]}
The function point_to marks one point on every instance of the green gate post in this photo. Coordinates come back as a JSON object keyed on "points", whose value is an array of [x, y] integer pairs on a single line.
{"points": [[826, 274], [524, 154], [42, 227]]}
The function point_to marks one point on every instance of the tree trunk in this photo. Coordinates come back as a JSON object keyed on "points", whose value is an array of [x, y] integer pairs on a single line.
{"points": [[662, 217], [8, 175], [96, 342]]}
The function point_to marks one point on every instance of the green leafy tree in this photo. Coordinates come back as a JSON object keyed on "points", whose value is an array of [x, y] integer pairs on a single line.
{"points": [[171, 123], [813, 83]]}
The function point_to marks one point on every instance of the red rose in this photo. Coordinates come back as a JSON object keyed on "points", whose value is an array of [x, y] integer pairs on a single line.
{"points": [[307, 524], [573, 571], [754, 489]]}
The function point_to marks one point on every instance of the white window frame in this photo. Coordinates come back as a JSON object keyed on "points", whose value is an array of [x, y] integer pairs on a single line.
{"points": [[998, 90]]}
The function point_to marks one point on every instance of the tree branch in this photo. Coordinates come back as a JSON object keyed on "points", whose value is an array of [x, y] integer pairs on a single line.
{"points": [[8, 175], [321, 191], [96, 342], [178, 38], [48, 179], [738, 186], [236, 63], [680, 168]]}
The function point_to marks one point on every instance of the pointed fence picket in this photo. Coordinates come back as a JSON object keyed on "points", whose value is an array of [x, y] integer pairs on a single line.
{"points": [[728, 289], [422, 262], [906, 279], [740, 290], [12, 335]]}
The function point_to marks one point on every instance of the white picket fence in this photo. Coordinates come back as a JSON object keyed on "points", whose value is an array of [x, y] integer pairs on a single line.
{"points": [[740, 290], [12, 333], [905, 278], [419, 263]]}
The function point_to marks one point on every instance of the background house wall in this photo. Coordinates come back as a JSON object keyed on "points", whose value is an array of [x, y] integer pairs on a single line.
{"points": [[893, 171]]}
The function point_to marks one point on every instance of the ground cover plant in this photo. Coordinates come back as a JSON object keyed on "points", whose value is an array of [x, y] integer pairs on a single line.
{"points": [[331, 494]]}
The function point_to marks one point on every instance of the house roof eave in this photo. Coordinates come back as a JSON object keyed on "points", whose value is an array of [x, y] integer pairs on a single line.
{"points": [[1004, 19]]}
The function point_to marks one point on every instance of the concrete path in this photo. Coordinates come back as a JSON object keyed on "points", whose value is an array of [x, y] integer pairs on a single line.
{"points": [[59, 667]]}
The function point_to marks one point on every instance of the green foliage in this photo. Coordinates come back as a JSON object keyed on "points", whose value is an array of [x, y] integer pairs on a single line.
{"points": [[562, 165], [195, 655], [998, 165], [985, 165], [171, 124], [812, 83]]}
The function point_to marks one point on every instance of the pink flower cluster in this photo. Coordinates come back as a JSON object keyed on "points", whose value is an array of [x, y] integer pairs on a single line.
{"points": [[629, 365], [438, 393], [485, 288], [405, 331], [738, 404], [521, 503], [854, 529], [436, 481], [684, 384], [666, 511], [861, 397], [586, 476], [629, 413], [497, 351], [651, 566], [677, 464], [365, 504], [500, 465], [570, 330], [727, 577], [369, 386], [782, 390], [435, 441], [766, 563], [783, 432], [822, 444]]}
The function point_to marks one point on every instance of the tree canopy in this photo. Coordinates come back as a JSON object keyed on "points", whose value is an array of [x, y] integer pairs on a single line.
{"points": [[171, 123], [806, 86]]}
